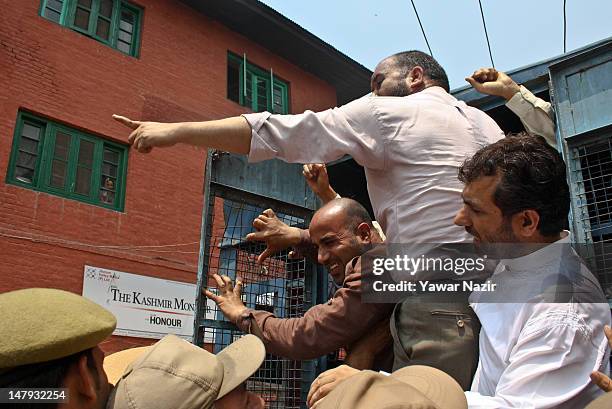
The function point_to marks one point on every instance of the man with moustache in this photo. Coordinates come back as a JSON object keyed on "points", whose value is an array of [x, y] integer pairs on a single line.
{"points": [[543, 328], [409, 134], [342, 231]]}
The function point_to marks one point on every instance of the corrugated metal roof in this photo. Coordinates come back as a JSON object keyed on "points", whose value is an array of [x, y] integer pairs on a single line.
{"points": [[533, 76]]}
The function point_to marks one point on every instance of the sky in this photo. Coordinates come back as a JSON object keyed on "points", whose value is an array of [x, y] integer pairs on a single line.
{"points": [[521, 32]]}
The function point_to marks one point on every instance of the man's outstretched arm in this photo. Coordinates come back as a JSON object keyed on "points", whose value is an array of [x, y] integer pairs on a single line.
{"points": [[323, 329], [230, 134], [297, 138]]}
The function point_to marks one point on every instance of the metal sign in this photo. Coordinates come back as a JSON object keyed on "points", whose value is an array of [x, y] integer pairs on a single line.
{"points": [[145, 306]]}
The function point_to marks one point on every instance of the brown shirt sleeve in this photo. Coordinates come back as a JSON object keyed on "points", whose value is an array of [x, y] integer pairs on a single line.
{"points": [[323, 328], [306, 248]]}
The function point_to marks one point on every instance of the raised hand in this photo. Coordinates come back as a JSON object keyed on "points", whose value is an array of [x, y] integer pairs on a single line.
{"points": [[276, 234], [228, 298], [318, 180], [492, 82]]}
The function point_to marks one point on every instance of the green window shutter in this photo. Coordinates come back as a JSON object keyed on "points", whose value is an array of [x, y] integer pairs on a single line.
{"points": [[262, 85], [54, 10], [82, 16], [279, 98], [128, 30], [67, 163], [94, 18], [112, 22], [108, 182], [258, 89], [26, 151], [59, 160], [83, 167], [247, 94], [104, 19]]}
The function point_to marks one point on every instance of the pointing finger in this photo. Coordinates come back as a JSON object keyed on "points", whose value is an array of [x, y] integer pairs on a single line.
{"points": [[126, 121]]}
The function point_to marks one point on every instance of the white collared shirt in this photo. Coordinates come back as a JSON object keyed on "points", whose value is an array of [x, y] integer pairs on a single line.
{"points": [[411, 148], [538, 355]]}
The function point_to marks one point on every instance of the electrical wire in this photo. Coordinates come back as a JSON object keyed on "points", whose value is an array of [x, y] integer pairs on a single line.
{"points": [[564, 27], [112, 252], [422, 29], [37, 238], [484, 24]]}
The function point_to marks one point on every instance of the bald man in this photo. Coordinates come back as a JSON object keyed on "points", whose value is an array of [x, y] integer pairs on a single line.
{"points": [[342, 230]]}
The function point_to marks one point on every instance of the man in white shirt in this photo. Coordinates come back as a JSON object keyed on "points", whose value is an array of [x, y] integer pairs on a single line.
{"points": [[409, 134], [542, 329]]}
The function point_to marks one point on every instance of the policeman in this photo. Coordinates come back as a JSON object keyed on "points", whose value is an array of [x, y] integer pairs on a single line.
{"points": [[50, 339]]}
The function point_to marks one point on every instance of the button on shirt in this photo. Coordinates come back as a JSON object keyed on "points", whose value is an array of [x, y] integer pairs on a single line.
{"points": [[410, 147], [540, 354]]}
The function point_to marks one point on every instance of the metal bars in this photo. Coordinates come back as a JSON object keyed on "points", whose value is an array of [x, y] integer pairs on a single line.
{"points": [[282, 286], [590, 167]]}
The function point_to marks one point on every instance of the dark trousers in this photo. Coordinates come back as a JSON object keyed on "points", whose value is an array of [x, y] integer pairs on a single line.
{"points": [[443, 335]]}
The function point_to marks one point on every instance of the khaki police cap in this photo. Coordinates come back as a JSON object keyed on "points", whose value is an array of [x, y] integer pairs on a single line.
{"points": [[412, 387], [176, 374], [43, 324]]}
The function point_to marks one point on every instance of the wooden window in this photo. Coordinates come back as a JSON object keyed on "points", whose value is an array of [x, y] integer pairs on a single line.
{"points": [[56, 159], [256, 88], [112, 22], [52, 9]]}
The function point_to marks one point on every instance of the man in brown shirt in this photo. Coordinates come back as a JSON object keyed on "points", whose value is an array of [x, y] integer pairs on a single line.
{"points": [[342, 231]]}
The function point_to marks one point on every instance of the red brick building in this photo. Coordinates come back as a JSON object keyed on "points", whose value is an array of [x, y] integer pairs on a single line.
{"points": [[73, 192]]}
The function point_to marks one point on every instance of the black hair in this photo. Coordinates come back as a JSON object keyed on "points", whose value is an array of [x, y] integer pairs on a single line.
{"points": [[533, 176], [407, 60]]}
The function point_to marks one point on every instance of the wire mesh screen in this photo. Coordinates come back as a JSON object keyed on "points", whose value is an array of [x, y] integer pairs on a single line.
{"points": [[281, 285], [591, 173]]}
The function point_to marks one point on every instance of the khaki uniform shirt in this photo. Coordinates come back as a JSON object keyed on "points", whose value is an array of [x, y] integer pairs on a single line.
{"points": [[536, 114]]}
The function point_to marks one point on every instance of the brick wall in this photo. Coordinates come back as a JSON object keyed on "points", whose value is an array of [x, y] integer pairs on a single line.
{"points": [[180, 75]]}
